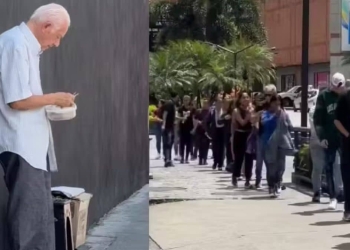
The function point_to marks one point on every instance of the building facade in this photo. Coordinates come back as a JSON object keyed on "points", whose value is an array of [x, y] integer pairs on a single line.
{"points": [[104, 58], [283, 22], [339, 36]]}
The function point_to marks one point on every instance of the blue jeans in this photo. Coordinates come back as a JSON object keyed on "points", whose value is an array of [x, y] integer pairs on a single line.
{"points": [[330, 156], [168, 141], [158, 133], [318, 164]]}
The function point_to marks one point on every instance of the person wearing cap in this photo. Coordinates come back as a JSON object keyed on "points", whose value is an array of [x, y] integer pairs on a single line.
{"points": [[342, 123], [326, 131]]}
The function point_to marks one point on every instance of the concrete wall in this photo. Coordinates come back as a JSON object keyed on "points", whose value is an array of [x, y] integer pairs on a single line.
{"points": [[336, 54], [104, 58], [283, 21]]}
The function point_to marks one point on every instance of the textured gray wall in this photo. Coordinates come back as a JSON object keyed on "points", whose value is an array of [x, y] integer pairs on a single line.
{"points": [[104, 57]]}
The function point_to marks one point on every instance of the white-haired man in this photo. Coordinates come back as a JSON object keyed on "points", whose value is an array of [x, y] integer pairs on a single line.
{"points": [[326, 131], [26, 146]]}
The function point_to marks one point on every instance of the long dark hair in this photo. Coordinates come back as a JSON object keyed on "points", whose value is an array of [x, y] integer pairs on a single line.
{"points": [[239, 99], [231, 107]]}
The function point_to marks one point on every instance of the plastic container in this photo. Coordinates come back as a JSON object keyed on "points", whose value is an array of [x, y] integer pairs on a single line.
{"points": [[55, 113]]}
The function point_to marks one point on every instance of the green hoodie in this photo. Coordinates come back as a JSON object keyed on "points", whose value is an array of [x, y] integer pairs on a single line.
{"points": [[324, 118]]}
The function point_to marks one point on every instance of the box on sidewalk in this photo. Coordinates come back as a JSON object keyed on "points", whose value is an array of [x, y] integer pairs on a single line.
{"points": [[63, 224], [79, 208]]}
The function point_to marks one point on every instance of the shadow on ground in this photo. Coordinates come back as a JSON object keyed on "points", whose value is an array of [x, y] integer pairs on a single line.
{"points": [[344, 246], [342, 236], [318, 211], [329, 223]]}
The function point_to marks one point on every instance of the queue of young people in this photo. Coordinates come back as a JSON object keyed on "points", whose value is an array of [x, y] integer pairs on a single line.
{"points": [[239, 131]]}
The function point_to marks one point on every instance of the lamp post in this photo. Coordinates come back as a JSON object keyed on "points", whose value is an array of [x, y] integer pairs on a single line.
{"points": [[305, 62], [235, 53]]}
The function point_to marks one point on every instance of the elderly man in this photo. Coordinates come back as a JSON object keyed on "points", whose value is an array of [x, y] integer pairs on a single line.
{"points": [[26, 146]]}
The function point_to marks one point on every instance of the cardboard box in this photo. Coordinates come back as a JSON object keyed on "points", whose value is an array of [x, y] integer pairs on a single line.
{"points": [[80, 208]]}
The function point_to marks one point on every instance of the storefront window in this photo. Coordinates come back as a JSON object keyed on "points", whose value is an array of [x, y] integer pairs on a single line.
{"points": [[287, 82], [321, 79]]}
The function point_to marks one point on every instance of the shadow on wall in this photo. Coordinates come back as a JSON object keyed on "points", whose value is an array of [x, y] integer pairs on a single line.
{"points": [[104, 58]]}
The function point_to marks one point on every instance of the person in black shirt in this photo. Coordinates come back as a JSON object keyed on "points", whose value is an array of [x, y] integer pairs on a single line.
{"points": [[228, 108], [203, 141], [216, 131], [168, 128], [243, 128], [186, 113], [342, 123]]}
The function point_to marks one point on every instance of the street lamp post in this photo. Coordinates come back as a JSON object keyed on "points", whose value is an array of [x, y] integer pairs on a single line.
{"points": [[305, 62], [235, 53]]}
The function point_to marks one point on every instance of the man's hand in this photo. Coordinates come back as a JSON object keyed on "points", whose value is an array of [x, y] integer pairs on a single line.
{"points": [[324, 143], [63, 99]]}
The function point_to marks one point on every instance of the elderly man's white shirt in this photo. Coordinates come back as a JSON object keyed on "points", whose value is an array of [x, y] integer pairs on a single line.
{"points": [[26, 133]]}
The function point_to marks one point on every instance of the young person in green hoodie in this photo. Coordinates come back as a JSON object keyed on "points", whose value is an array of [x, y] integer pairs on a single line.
{"points": [[326, 131]]}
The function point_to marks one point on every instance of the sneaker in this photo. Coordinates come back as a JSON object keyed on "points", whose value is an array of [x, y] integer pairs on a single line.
{"points": [[220, 168], [271, 192], [176, 158], [333, 204], [247, 185], [234, 182], [214, 166], [158, 157], [258, 185], [182, 161], [205, 162], [316, 198], [187, 162], [278, 190], [167, 164], [346, 217]]}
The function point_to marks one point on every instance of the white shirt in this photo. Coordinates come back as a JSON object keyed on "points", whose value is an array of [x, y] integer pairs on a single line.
{"points": [[26, 133]]}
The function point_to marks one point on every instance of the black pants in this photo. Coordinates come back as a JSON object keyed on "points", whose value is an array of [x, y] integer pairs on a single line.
{"points": [[195, 146], [203, 146], [219, 146], [345, 172], [168, 141], [185, 142], [30, 217], [239, 150], [229, 159]]}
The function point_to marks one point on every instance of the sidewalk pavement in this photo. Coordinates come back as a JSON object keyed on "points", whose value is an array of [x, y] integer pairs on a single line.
{"points": [[216, 216], [123, 228]]}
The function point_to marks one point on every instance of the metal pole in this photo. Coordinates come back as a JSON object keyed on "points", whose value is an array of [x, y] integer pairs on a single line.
{"points": [[305, 62]]}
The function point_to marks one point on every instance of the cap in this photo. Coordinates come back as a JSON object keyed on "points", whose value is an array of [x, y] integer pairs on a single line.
{"points": [[338, 80]]}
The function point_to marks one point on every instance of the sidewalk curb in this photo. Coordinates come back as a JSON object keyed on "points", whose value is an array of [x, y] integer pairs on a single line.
{"points": [[154, 245], [123, 226]]}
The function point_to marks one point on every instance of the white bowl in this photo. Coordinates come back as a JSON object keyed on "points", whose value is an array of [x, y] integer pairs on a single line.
{"points": [[55, 113]]}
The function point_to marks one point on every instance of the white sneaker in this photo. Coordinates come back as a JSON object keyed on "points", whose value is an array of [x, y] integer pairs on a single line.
{"points": [[333, 204], [176, 158], [158, 157]]}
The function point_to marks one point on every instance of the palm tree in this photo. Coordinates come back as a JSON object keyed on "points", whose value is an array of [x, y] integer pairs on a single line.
{"points": [[217, 21], [254, 65], [167, 72]]}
